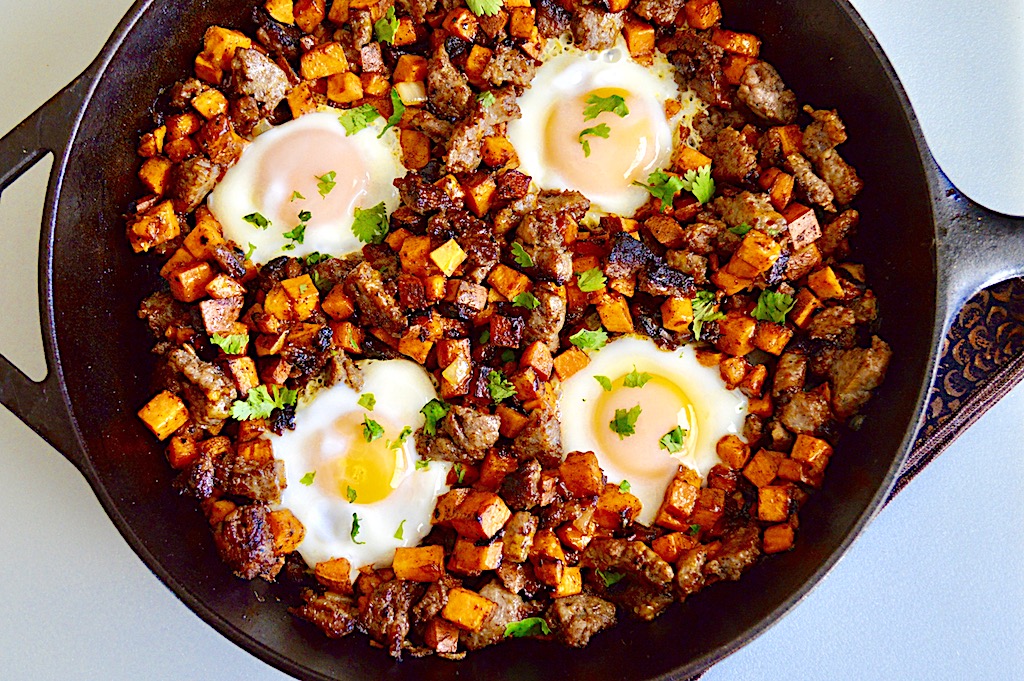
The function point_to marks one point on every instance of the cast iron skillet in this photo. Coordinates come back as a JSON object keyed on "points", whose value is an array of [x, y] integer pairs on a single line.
{"points": [[927, 249]]}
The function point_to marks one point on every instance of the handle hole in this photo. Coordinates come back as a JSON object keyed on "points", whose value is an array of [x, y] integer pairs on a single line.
{"points": [[21, 214]]}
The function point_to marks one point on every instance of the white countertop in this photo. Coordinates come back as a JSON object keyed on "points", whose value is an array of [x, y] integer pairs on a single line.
{"points": [[934, 589]]}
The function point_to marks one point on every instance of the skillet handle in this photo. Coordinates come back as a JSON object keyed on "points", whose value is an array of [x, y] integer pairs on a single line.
{"points": [[41, 405]]}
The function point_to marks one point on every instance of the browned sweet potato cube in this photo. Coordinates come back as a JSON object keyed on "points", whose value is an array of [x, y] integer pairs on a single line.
{"points": [[154, 227], [220, 316], [152, 143], [274, 370], [412, 345], [825, 284], [677, 313], [476, 62], [348, 337], [753, 383], [441, 635], [415, 148], [733, 451], [760, 406], [155, 174], [164, 414], [761, 469], [569, 362], [415, 256], [522, 23], [615, 508], [756, 254], [496, 465], [480, 516], [497, 151], [181, 452], [243, 372], [304, 295], [419, 563], [461, 22], [218, 510], [773, 503], [260, 450], [344, 88], [512, 421], [778, 538], [803, 308], [671, 546], [666, 230], [480, 193], [304, 99], [467, 609], [680, 497], [335, 574], [338, 304], [729, 282], [702, 14], [183, 125], [252, 429], [281, 10], [781, 194], [507, 281], [740, 43], [519, 536], [224, 287], [709, 508], [410, 68], [639, 37], [323, 60], [309, 13], [812, 451], [547, 557], [537, 356], [772, 337], [581, 474], [447, 506], [287, 530], [733, 66], [737, 333], [570, 584], [470, 560], [733, 371], [614, 311]]}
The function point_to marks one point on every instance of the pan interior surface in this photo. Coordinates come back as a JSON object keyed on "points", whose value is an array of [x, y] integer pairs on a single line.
{"points": [[102, 347]]}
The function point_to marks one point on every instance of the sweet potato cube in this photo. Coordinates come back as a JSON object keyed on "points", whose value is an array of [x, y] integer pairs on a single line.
{"points": [[156, 226], [639, 37], [519, 535], [344, 88], [803, 308], [219, 510], [413, 345], [338, 304], [756, 254], [497, 151], [686, 158], [477, 60], [569, 362], [733, 370], [448, 257], [219, 316], [738, 43], [207, 235], [210, 103], [415, 148], [155, 174], [802, 224], [456, 378], [671, 546], [164, 414], [760, 406], [470, 560], [702, 14], [419, 563], [733, 66], [467, 609], [180, 126], [522, 22], [753, 383], [772, 337], [614, 311], [737, 334], [259, 450], [812, 451], [709, 508], [288, 531], [537, 356], [447, 506], [415, 256], [581, 474], [348, 337], [220, 44], [778, 538], [335, 574], [679, 500], [570, 584], [206, 70], [507, 281], [305, 296], [480, 516], [773, 503], [480, 191], [274, 370], [410, 68], [339, 12], [496, 465], [781, 193], [461, 22], [252, 429], [825, 284], [181, 452], [677, 313], [733, 451], [728, 282], [615, 508], [222, 286], [761, 469], [547, 557], [188, 283], [270, 343], [303, 99], [309, 13], [324, 60], [280, 10], [442, 636], [152, 143]]}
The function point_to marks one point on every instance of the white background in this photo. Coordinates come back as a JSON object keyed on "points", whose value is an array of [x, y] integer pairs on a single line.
{"points": [[932, 590]]}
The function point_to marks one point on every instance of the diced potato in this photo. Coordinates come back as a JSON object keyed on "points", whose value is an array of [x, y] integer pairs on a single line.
{"points": [[522, 23], [581, 474], [733, 371], [477, 60], [348, 337], [686, 158], [303, 99], [412, 93], [415, 149], [470, 560], [326, 59], [210, 103], [508, 282], [753, 383], [639, 37], [447, 506], [771, 337], [804, 306], [339, 13], [761, 469], [496, 465], [792, 138], [570, 584], [497, 151], [709, 509], [419, 563], [671, 546], [679, 500], [738, 43], [155, 174], [220, 43], [733, 66], [677, 313], [304, 295], [222, 286], [773, 503], [737, 334], [280, 10], [467, 609], [344, 88], [252, 429], [338, 304], [781, 192], [733, 451], [614, 311], [728, 282], [760, 406], [288, 531], [415, 256], [480, 191], [519, 536], [825, 284], [152, 143], [778, 538], [480, 516], [548, 558], [537, 356], [702, 14], [188, 283], [461, 22], [812, 451], [206, 236], [206, 70], [164, 414], [219, 510], [335, 574], [756, 254], [569, 362], [441, 635], [309, 13], [412, 345], [259, 450], [181, 452], [615, 508], [448, 257], [410, 68], [154, 227]]}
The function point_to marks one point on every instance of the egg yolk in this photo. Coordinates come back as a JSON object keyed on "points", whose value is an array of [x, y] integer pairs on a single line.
{"points": [[368, 468], [628, 153], [663, 407], [294, 177]]}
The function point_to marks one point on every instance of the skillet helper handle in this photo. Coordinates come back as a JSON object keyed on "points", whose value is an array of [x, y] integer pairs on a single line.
{"points": [[41, 404]]}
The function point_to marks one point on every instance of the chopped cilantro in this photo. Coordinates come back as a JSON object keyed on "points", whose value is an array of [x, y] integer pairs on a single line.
{"points": [[358, 118], [350, 494], [252, 249], [484, 7], [231, 345], [367, 401], [386, 27], [624, 422], [694, 530], [355, 529], [591, 280], [741, 229], [296, 196], [605, 382], [324, 184], [531, 626], [519, 254], [400, 532], [433, 411], [672, 441], [257, 220], [527, 300], [398, 108], [305, 216], [370, 225], [699, 183], [422, 465], [460, 472], [597, 105], [298, 234], [485, 337], [624, 487], [371, 429], [663, 186], [499, 386], [315, 258], [704, 310], [307, 479], [508, 356], [609, 577], [773, 306], [486, 99], [258, 404], [402, 437], [635, 379], [586, 339], [600, 130]]}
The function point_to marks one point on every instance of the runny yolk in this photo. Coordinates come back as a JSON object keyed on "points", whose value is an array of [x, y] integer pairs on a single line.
{"points": [[368, 468], [293, 165], [663, 407], [628, 154]]}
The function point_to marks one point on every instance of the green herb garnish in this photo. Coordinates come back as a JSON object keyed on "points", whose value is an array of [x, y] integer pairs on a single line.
{"points": [[371, 225], [663, 186], [600, 130], [531, 626], [527, 300], [499, 386], [371, 429], [231, 345], [259, 404], [586, 339], [591, 280], [358, 118], [672, 441], [596, 105], [635, 379], [400, 532], [624, 422], [350, 494], [704, 310], [257, 220], [367, 401], [773, 306], [609, 577], [397, 109], [624, 487], [355, 529], [699, 183], [433, 411], [519, 254], [307, 479], [386, 27], [484, 7], [605, 382]]}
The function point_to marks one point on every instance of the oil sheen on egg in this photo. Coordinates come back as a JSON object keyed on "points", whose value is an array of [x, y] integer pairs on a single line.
{"points": [[393, 497], [680, 392], [623, 149], [278, 176]]}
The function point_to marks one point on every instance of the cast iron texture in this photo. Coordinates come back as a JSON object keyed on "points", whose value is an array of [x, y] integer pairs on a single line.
{"points": [[926, 247]]}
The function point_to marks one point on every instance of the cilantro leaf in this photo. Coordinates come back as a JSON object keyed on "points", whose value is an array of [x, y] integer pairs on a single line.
{"points": [[367, 401], [741, 229], [499, 386], [400, 532], [355, 529], [663, 186], [624, 487], [350, 494], [316, 257], [694, 530], [635, 379], [386, 27], [672, 441], [252, 249], [433, 411], [371, 429], [296, 196], [402, 437], [609, 577], [485, 337], [597, 105], [398, 108], [307, 479], [586, 339], [297, 234], [370, 225], [600, 130], [358, 118], [486, 99], [484, 7], [605, 382], [704, 310], [591, 280], [531, 626], [508, 356], [231, 345], [257, 220], [773, 306], [699, 183], [460, 472], [519, 254], [422, 465], [324, 184], [624, 422], [258, 404], [527, 300]]}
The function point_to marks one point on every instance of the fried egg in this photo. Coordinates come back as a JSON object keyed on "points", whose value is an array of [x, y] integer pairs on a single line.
{"points": [[361, 500], [674, 390], [285, 175], [599, 154]]}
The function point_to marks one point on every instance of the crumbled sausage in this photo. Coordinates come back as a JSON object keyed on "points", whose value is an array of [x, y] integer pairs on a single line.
{"points": [[575, 619], [761, 88], [246, 544]]}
